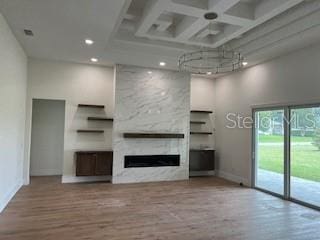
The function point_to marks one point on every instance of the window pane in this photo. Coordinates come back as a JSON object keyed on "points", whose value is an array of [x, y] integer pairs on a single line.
{"points": [[305, 155], [269, 150]]}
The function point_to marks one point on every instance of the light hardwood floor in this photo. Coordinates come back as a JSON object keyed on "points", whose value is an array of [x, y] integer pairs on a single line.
{"points": [[199, 209]]}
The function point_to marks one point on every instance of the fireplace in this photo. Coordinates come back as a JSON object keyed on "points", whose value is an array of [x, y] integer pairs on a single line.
{"points": [[138, 161]]}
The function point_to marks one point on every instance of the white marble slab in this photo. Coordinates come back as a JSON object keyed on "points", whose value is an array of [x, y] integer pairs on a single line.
{"points": [[144, 102]]}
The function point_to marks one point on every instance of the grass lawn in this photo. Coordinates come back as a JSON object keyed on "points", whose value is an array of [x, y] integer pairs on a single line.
{"points": [[305, 159], [278, 139]]}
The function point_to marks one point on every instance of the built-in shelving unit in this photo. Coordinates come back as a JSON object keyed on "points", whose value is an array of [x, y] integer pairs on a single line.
{"points": [[94, 163], [100, 119], [153, 135], [93, 119], [197, 122], [201, 133], [90, 106], [201, 161], [89, 131], [201, 111], [200, 123]]}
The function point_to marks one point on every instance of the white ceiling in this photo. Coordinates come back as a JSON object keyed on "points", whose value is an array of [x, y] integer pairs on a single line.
{"points": [[145, 32]]}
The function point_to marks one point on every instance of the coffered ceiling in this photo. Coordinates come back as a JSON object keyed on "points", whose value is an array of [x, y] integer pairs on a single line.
{"points": [[145, 32], [183, 22]]}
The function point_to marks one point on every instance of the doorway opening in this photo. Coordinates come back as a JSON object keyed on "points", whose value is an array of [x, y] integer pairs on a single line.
{"points": [[286, 153], [47, 137]]}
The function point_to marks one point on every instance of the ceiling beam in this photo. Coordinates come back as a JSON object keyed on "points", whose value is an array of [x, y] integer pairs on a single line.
{"points": [[189, 27], [213, 30], [164, 22], [151, 13], [233, 20], [282, 5], [274, 7], [221, 6], [185, 9]]}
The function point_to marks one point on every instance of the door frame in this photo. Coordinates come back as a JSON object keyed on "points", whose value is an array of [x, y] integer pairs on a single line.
{"points": [[31, 130], [253, 152], [290, 198], [287, 151]]}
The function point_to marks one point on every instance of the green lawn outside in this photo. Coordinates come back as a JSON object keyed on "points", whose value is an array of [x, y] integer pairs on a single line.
{"points": [[305, 159], [277, 138]]}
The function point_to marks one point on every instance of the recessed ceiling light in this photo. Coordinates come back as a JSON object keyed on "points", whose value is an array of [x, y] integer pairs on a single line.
{"points": [[89, 41], [94, 60], [211, 16], [209, 73], [162, 63], [245, 63], [28, 32], [150, 72]]}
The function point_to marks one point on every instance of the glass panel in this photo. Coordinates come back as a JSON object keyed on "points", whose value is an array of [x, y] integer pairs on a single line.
{"points": [[305, 155], [269, 150]]}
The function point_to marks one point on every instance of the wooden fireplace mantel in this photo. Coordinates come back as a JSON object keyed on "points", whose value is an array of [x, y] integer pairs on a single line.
{"points": [[152, 135]]}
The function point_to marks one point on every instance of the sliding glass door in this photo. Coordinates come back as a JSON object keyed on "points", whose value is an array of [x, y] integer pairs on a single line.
{"points": [[269, 150], [305, 155], [286, 152]]}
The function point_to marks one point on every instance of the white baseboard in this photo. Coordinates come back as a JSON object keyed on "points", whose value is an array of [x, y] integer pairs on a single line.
{"points": [[45, 172], [74, 179], [233, 178], [201, 173], [9, 195]]}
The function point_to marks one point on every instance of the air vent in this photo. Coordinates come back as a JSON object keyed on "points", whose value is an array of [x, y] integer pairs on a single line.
{"points": [[28, 32]]}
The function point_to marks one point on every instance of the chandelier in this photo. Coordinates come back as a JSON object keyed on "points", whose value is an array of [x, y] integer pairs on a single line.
{"points": [[211, 61]]}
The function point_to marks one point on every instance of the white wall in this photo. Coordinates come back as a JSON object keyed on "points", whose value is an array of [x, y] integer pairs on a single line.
{"points": [[13, 79], [158, 102], [74, 83], [47, 137], [290, 79], [202, 98]]}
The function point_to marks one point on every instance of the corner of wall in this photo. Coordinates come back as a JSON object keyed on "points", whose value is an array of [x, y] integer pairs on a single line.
{"points": [[233, 178], [13, 72], [9, 195]]}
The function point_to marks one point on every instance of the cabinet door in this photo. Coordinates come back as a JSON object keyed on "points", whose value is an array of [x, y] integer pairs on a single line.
{"points": [[201, 160], [104, 164], [86, 164]]}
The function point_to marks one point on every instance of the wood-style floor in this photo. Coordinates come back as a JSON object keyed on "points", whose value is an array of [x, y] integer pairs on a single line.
{"points": [[199, 209]]}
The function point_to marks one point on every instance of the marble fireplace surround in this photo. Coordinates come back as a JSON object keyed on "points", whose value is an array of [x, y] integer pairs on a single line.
{"points": [[150, 101]]}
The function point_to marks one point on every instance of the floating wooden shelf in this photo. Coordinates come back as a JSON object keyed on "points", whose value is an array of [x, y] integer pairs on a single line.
{"points": [[99, 151], [100, 119], [197, 122], [201, 111], [153, 135], [90, 106], [202, 150], [201, 133], [89, 131]]}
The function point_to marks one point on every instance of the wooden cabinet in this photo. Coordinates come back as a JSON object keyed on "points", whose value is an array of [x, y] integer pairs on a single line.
{"points": [[94, 163], [104, 163], [201, 160]]}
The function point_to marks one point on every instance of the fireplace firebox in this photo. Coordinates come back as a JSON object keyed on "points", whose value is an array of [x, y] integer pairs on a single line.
{"points": [[138, 161]]}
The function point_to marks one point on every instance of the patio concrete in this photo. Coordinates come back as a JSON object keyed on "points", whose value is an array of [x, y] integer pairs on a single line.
{"points": [[301, 189]]}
